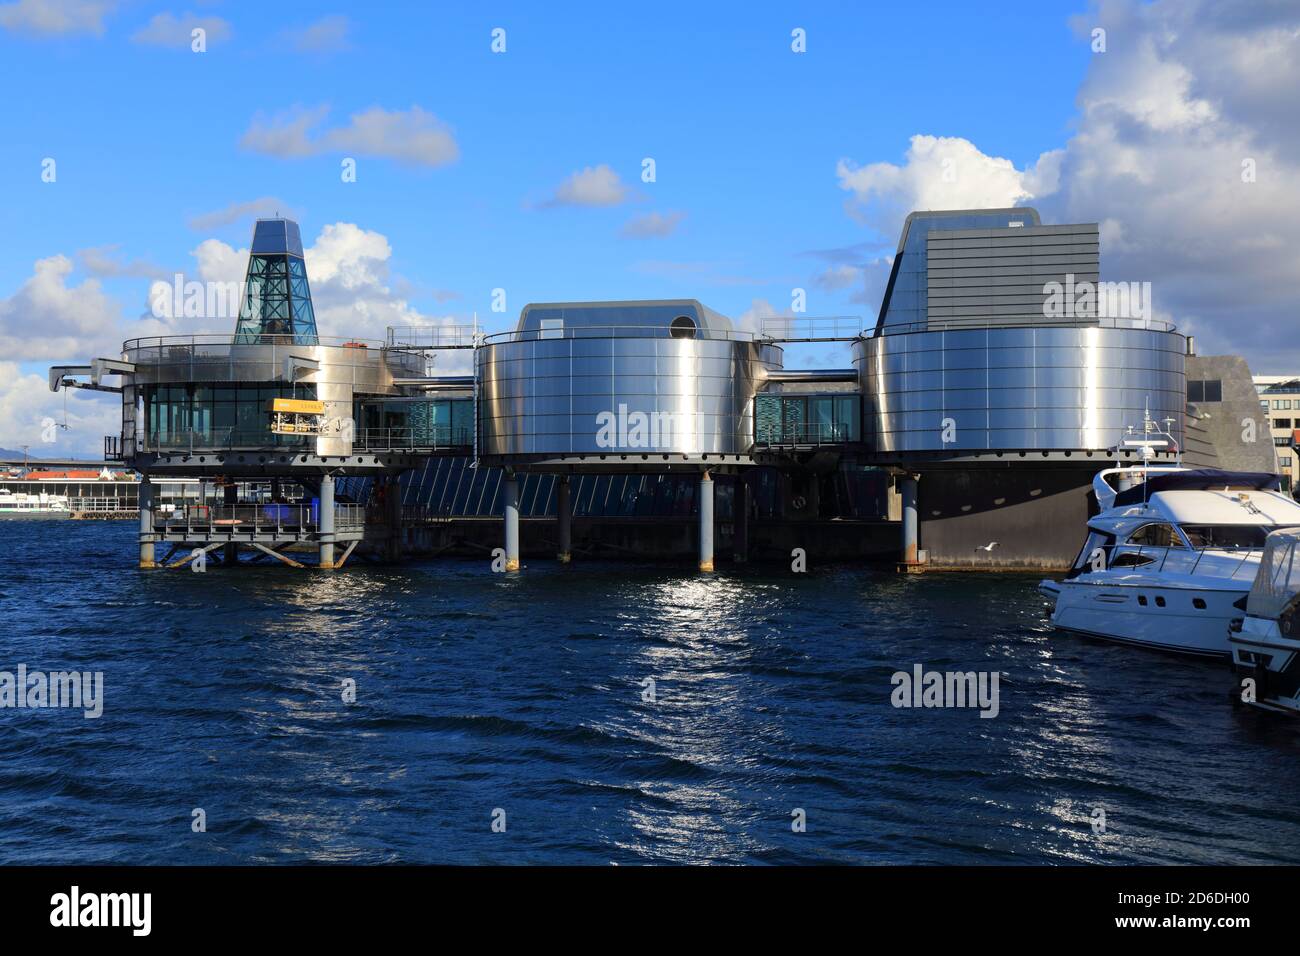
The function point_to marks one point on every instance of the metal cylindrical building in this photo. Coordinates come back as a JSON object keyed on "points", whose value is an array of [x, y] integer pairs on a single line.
{"points": [[1039, 389], [650, 383]]}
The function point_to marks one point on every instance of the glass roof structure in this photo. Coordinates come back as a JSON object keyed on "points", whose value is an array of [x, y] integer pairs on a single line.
{"points": [[277, 297]]}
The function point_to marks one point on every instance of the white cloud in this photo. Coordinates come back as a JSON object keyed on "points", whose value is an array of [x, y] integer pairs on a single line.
{"points": [[1183, 96], [327, 35], [413, 137], [56, 17], [167, 29], [652, 225], [590, 186], [263, 207], [835, 278], [108, 262], [944, 172], [27, 406], [47, 318]]}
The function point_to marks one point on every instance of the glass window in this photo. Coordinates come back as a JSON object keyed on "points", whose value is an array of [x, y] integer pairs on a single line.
{"points": [[1156, 536], [1213, 390], [1195, 391], [1226, 535]]}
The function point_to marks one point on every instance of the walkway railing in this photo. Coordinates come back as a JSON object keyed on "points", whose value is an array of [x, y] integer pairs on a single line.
{"points": [[265, 518], [807, 434], [440, 436]]}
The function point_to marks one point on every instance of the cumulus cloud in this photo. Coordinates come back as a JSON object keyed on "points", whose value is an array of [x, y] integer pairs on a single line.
{"points": [[413, 137], [944, 172], [327, 35], [167, 29], [56, 17], [590, 186], [51, 318], [652, 225], [263, 207], [1185, 150], [28, 407]]}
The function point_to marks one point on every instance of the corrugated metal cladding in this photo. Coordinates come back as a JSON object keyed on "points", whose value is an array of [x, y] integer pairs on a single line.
{"points": [[981, 277]]}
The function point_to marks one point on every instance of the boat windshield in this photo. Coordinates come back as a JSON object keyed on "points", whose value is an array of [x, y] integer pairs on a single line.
{"points": [[1278, 579], [1226, 536]]}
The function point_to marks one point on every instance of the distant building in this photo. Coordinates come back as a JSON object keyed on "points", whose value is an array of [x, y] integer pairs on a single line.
{"points": [[1279, 397]]}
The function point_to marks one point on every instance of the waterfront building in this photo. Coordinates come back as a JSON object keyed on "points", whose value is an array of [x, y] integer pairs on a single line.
{"points": [[1000, 374]]}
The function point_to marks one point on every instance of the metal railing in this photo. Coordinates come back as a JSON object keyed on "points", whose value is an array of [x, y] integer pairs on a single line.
{"points": [[1189, 558], [223, 439], [433, 336], [103, 505], [113, 448], [620, 332], [1031, 322], [261, 518], [810, 328], [809, 433], [268, 358], [440, 436]]}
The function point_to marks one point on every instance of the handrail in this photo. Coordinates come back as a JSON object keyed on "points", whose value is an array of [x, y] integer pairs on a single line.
{"points": [[809, 433], [620, 331], [1106, 322]]}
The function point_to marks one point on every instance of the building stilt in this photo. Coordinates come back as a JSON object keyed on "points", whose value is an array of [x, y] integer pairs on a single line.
{"points": [[512, 521], [706, 523], [325, 522], [911, 525], [147, 537], [564, 517]]}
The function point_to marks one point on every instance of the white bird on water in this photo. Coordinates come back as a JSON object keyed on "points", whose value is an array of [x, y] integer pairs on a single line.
{"points": [[987, 547]]}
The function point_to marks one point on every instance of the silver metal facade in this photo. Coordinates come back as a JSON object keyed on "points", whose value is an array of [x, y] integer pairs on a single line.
{"points": [[619, 391], [339, 372], [1016, 388]]}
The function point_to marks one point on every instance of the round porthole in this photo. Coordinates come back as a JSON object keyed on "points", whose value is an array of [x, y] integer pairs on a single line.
{"points": [[683, 327]]}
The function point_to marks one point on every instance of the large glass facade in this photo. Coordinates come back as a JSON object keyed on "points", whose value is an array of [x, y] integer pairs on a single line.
{"points": [[217, 415], [417, 422]]}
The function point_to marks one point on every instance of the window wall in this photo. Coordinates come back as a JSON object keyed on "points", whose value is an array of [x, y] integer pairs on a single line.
{"points": [[217, 415], [807, 419]]}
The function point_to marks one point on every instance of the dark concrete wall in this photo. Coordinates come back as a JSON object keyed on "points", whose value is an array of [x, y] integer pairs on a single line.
{"points": [[1226, 424], [1038, 515]]}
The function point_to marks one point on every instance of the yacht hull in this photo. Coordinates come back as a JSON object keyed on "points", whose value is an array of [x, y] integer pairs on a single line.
{"points": [[1183, 620], [1262, 654]]}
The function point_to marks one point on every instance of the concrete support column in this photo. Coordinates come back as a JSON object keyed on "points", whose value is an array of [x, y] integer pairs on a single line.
{"points": [[740, 521], [564, 517], [146, 496], [230, 552], [911, 539], [512, 522], [706, 523], [325, 522]]}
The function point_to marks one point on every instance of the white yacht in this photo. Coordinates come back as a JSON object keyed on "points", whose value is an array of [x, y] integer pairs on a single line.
{"points": [[23, 505], [1171, 556], [1265, 641]]}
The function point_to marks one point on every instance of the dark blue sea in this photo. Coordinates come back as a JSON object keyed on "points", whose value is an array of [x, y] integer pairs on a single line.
{"points": [[520, 699]]}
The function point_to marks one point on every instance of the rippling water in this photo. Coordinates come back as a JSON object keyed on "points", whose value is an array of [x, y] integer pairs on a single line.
{"points": [[477, 691]]}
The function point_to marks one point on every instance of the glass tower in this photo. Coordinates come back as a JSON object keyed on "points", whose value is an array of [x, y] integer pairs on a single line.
{"points": [[277, 299]]}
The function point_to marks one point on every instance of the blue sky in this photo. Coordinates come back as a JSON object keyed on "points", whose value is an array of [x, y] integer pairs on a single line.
{"points": [[745, 133], [775, 170]]}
